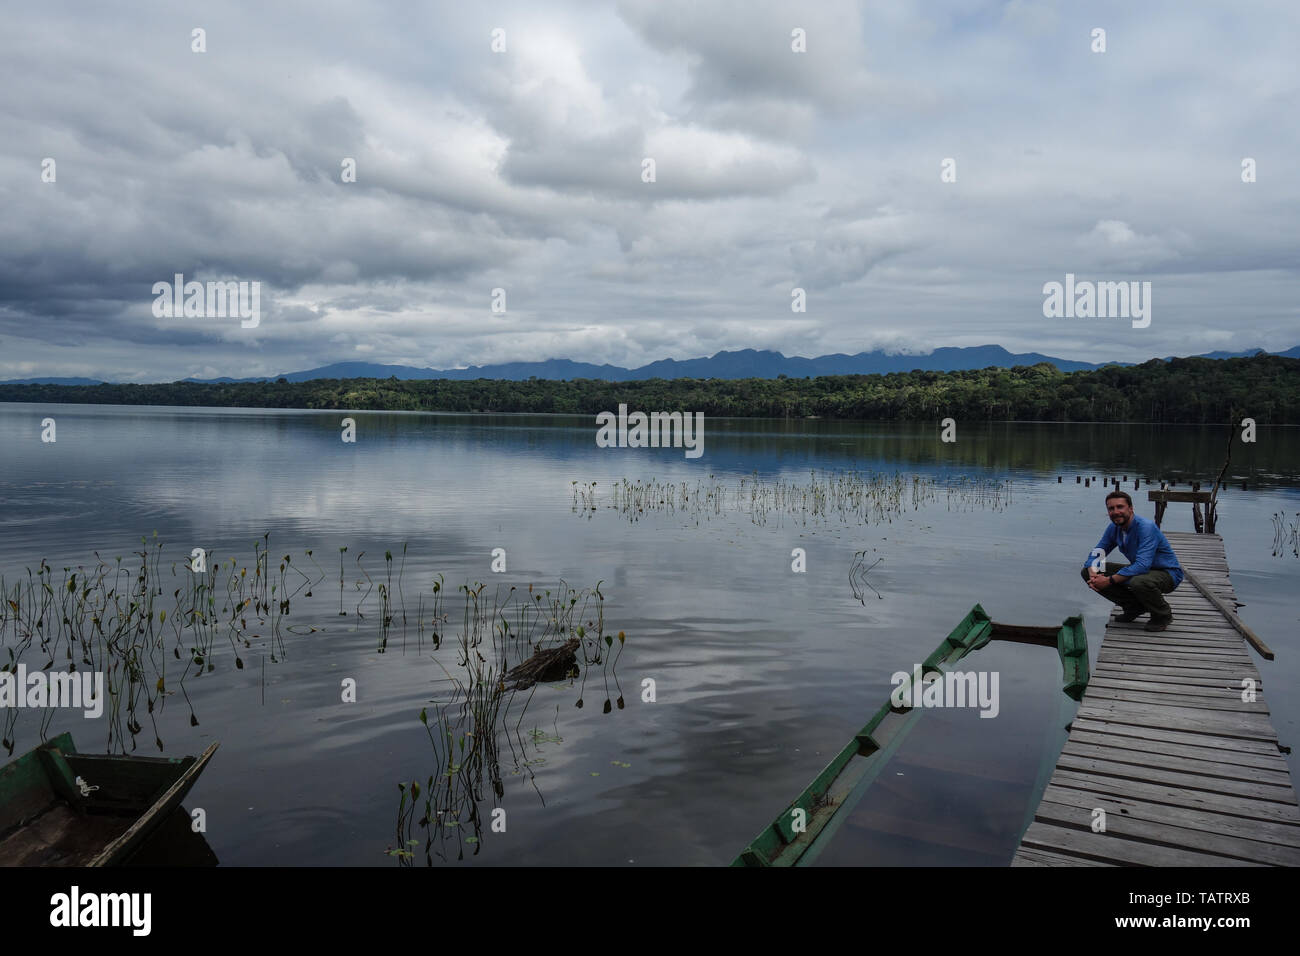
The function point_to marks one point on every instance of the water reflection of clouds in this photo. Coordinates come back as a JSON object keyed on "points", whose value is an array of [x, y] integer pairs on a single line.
{"points": [[758, 668]]}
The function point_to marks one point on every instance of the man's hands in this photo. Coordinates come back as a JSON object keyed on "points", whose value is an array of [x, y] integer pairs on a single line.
{"points": [[1099, 582]]}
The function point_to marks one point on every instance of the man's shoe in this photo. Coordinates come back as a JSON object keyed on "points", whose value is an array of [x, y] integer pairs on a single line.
{"points": [[1159, 623], [1129, 616]]}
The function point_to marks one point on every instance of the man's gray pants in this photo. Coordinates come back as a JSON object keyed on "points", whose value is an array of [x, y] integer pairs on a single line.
{"points": [[1142, 592]]}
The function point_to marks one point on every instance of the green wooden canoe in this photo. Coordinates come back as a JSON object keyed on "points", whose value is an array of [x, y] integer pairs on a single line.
{"points": [[801, 830], [62, 808]]}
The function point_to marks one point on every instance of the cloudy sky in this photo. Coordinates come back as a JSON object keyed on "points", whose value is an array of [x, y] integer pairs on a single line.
{"points": [[522, 169]]}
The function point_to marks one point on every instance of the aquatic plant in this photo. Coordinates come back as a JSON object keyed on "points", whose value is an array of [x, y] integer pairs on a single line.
{"points": [[850, 497], [479, 709], [1286, 534], [152, 626], [858, 576]]}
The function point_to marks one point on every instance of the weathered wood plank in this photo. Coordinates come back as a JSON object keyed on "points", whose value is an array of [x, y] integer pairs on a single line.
{"points": [[1128, 656], [1172, 639], [1216, 689], [1178, 778], [1188, 617], [1232, 805], [1175, 632], [1172, 675], [1186, 651], [1214, 723], [1129, 826], [1227, 702], [1263, 831], [1189, 752], [1182, 644], [1178, 633], [1031, 856], [1163, 735], [1104, 846], [1183, 622], [1183, 617], [1203, 768], [1158, 658], [1230, 702]]}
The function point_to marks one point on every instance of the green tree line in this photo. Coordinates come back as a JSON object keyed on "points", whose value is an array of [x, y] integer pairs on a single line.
{"points": [[1182, 391]]}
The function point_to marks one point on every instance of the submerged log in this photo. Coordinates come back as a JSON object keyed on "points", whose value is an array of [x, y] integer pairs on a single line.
{"points": [[556, 663]]}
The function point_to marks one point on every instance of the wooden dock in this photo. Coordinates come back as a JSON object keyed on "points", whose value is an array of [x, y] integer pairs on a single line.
{"points": [[1186, 772]]}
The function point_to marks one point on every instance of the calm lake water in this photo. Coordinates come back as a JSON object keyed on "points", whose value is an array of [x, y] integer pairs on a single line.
{"points": [[760, 673]]}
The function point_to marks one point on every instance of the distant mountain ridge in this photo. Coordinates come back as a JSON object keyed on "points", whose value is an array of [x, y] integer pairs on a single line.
{"points": [[53, 381], [744, 363]]}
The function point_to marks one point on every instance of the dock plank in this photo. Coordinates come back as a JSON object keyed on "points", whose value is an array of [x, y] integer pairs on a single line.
{"points": [[1170, 675], [1166, 834], [1229, 701], [1029, 856], [1126, 732], [1191, 752], [1186, 780], [1218, 723], [1214, 689], [1106, 846], [1229, 804], [1266, 832], [1205, 768]]}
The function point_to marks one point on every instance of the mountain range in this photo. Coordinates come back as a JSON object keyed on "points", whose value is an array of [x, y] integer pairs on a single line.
{"points": [[744, 363]]}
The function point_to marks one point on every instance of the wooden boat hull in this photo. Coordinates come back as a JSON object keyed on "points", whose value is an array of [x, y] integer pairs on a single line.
{"points": [[813, 817], [46, 819]]}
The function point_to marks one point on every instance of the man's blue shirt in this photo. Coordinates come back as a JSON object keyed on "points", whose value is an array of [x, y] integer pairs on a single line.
{"points": [[1145, 546]]}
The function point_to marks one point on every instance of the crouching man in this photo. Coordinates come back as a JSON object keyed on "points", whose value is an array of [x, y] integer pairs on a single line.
{"points": [[1152, 572]]}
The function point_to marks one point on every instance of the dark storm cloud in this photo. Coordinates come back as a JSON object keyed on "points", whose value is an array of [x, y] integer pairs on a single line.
{"points": [[522, 170]]}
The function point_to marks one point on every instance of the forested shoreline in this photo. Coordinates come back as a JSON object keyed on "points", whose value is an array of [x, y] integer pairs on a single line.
{"points": [[1181, 391]]}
